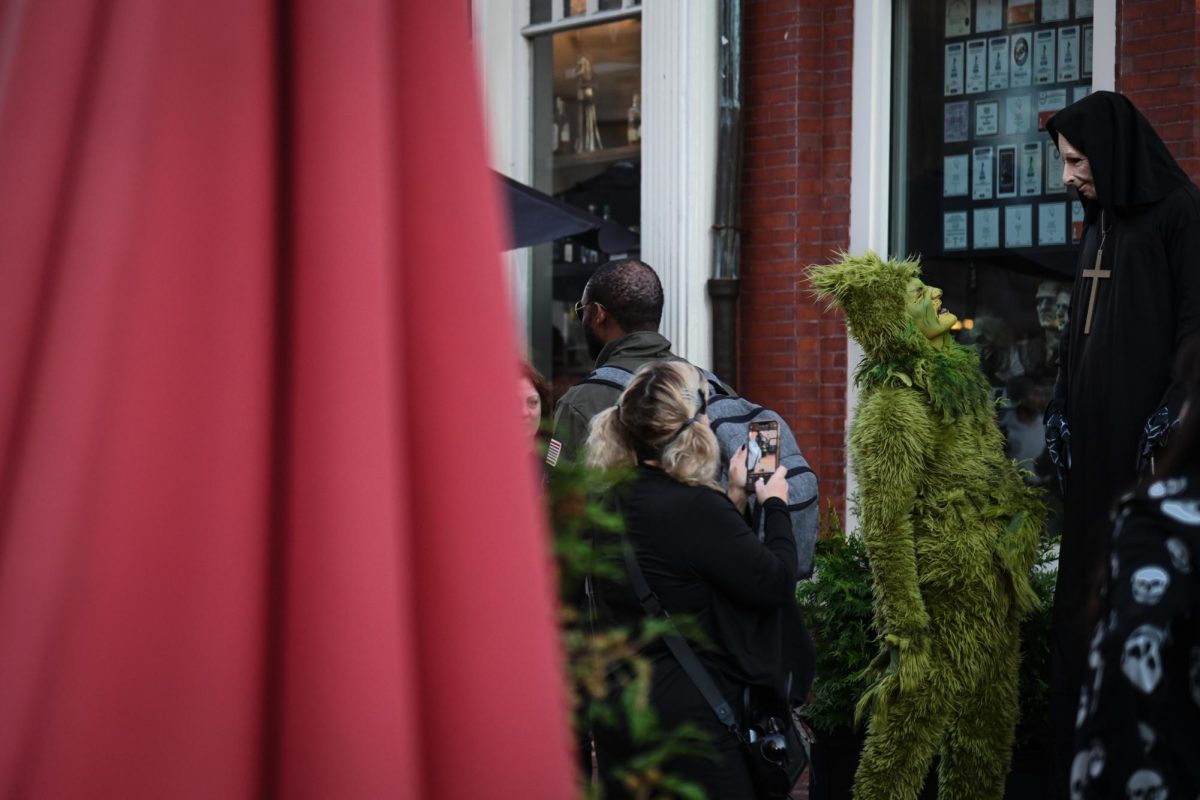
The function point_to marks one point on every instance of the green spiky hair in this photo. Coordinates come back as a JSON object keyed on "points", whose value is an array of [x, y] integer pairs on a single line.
{"points": [[871, 292]]}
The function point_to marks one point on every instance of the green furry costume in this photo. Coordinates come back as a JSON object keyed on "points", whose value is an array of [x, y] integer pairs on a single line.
{"points": [[951, 531]]}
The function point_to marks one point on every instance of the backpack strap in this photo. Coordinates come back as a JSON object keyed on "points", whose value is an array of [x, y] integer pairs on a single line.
{"points": [[677, 644], [609, 375], [718, 388], [715, 423]]}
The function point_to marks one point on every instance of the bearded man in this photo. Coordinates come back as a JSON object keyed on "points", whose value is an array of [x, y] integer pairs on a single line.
{"points": [[1135, 302]]}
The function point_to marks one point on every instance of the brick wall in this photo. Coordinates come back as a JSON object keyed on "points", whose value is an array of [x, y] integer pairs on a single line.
{"points": [[795, 212], [1158, 43]]}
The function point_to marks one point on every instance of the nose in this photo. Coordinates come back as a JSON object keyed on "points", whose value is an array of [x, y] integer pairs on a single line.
{"points": [[936, 294], [1067, 177]]}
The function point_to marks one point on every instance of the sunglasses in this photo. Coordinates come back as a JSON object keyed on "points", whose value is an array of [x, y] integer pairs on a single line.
{"points": [[580, 306]]}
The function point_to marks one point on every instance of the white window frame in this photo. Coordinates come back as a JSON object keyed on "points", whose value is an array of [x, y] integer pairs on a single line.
{"points": [[679, 144]]}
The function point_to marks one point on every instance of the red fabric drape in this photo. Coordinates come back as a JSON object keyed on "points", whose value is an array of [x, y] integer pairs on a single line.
{"points": [[267, 526]]}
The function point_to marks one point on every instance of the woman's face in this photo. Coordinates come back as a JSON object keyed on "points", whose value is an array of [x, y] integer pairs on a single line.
{"points": [[531, 406]]}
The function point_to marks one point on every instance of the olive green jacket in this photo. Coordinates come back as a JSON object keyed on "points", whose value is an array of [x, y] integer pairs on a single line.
{"points": [[575, 410]]}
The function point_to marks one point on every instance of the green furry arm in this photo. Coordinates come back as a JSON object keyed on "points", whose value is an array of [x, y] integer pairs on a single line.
{"points": [[1018, 546], [891, 437]]}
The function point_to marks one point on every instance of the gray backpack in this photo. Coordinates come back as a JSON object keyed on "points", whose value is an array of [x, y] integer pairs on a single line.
{"points": [[730, 416]]}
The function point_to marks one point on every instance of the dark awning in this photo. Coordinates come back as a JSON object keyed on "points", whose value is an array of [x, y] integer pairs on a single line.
{"points": [[537, 217]]}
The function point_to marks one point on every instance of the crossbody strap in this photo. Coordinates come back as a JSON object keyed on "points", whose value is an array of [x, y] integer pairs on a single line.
{"points": [[677, 644]]}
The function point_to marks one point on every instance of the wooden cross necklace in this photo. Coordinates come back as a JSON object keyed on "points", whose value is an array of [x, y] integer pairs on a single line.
{"points": [[1096, 275]]}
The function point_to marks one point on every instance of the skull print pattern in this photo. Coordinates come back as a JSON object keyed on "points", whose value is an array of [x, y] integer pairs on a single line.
{"points": [[1142, 696]]}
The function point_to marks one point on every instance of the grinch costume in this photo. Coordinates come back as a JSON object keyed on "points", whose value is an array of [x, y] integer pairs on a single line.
{"points": [[951, 531]]}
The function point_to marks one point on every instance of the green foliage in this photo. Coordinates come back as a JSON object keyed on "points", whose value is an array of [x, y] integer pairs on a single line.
{"points": [[1034, 677], [837, 605], [609, 679], [838, 608]]}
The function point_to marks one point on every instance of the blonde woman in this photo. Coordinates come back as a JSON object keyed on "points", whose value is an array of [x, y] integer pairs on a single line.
{"points": [[704, 562]]}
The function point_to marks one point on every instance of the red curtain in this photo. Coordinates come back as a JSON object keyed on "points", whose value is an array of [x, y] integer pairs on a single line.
{"points": [[267, 522]]}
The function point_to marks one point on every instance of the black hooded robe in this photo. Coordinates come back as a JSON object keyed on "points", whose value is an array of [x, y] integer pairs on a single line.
{"points": [[1116, 380]]}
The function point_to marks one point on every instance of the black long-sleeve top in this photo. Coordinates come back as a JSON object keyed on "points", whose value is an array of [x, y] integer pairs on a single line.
{"points": [[704, 562]]}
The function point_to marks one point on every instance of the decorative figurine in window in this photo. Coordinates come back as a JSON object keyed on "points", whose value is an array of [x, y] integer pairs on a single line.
{"points": [[588, 136]]}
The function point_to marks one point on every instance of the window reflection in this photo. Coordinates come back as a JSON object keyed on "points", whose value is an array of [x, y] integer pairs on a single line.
{"points": [[587, 152]]}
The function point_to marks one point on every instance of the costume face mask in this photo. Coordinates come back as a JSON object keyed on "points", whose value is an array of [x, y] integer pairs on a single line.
{"points": [[1064, 307], [1047, 305], [924, 306]]}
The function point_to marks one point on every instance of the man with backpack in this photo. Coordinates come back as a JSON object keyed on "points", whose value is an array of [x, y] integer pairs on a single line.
{"points": [[620, 310]]}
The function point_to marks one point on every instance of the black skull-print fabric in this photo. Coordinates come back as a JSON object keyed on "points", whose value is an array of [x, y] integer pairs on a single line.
{"points": [[1138, 725]]}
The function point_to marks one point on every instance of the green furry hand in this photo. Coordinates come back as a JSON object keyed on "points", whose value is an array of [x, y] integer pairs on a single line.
{"points": [[1015, 551], [909, 657], [903, 662]]}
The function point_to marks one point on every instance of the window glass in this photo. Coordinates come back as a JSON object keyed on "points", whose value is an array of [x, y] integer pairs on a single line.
{"points": [[539, 11], [587, 152], [977, 187]]}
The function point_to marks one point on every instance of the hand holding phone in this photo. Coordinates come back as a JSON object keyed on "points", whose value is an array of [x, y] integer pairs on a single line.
{"points": [[762, 450], [737, 470], [775, 486]]}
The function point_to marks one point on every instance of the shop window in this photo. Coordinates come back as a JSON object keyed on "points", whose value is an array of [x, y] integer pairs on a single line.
{"points": [[587, 152], [977, 187]]}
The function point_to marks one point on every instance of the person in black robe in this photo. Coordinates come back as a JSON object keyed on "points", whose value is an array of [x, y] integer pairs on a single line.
{"points": [[1135, 301]]}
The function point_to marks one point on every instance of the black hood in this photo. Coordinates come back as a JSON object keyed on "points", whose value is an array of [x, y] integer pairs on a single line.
{"points": [[1131, 166]]}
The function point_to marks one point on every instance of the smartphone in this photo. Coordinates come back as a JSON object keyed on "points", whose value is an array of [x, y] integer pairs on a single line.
{"points": [[762, 450]]}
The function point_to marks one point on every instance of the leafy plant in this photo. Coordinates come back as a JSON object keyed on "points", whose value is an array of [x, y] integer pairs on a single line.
{"points": [[838, 608], [609, 678], [1034, 677]]}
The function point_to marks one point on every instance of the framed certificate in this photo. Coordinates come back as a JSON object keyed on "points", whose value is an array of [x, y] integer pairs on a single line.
{"points": [[1029, 172], [1054, 168], [1076, 221], [997, 59], [1018, 226], [1083, 8], [958, 18], [981, 173], [1021, 70], [1049, 101], [1043, 57], [1086, 54], [1018, 115], [1068, 54], [1056, 10], [1021, 12], [954, 230], [1052, 223], [1080, 92], [987, 228], [956, 126], [976, 66], [989, 15], [954, 69], [987, 117], [954, 176], [1006, 171]]}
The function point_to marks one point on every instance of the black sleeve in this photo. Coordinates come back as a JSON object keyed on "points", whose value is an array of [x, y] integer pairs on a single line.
{"points": [[728, 554], [1180, 248]]}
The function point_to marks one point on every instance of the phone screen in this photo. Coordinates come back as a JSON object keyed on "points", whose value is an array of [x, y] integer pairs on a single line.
{"points": [[762, 450]]}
